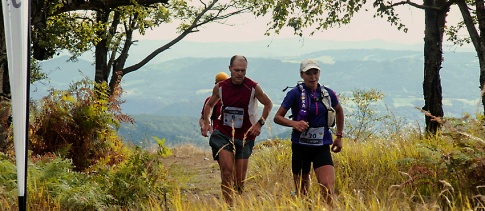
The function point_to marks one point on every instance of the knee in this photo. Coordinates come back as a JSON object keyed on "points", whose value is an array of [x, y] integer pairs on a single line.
{"points": [[227, 173]]}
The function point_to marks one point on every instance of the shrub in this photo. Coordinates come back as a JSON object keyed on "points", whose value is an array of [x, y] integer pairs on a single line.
{"points": [[449, 165], [361, 115], [139, 179], [80, 124]]}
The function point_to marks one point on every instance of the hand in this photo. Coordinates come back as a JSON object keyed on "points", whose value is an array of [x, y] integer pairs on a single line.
{"points": [[337, 144], [301, 125], [255, 130], [206, 127]]}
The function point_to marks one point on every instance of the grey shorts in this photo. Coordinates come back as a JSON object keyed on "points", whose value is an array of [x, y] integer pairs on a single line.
{"points": [[218, 140]]}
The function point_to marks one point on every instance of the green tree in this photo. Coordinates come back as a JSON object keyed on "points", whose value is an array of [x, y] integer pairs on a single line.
{"points": [[435, 24], [473, 13], [321, 15], [108, 26], [109, 29], [364, 116], [45, 44], [435, 20]]}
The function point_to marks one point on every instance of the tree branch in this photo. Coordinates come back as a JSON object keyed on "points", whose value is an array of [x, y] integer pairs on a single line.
{"points": [[217, 17], [424, 7], [187, 31], [111, 33], [102, 4], [470, 26]]}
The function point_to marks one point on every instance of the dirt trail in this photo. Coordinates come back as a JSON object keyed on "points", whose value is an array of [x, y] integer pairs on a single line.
{"points": [[195, 170]]}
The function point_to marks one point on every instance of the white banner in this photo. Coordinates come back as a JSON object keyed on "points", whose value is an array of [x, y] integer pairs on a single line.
{"points": [[16, 20]]}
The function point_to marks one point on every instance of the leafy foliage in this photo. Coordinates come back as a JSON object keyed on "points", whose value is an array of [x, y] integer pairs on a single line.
{"points": [[8, 177], [362, 120], [110, 29], [163, 150], [52, 183], [79, 123], [79, 31], [141, 178], [5, 120], [456, 157], [52, 178], [318, 15], [35, 72]]}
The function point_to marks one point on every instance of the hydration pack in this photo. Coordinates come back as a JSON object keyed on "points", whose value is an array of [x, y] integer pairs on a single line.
{"points": [[326, 100]]}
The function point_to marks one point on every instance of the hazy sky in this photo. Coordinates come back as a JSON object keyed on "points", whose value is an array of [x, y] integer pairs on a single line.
{"points": [[363, 27]]}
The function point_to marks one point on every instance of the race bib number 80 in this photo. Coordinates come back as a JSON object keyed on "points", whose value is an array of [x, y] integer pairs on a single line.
{"points": [[233, 115]]}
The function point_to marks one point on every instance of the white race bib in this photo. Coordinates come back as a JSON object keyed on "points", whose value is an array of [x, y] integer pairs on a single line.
{"points": [[233, 115], [312, 136]]}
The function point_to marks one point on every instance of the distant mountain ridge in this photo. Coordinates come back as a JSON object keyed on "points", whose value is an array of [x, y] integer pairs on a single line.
{"points": [[178, 86]]}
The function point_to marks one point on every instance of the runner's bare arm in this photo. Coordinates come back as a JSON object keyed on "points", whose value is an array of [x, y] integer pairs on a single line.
{"points": [[208, 110], [279, 118], [339, 121], [263, 99], [337, 143]]}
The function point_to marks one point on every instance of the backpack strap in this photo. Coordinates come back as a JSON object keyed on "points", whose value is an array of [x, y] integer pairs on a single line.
{"points": [[304, 107], [303, 102], [327, 101]]}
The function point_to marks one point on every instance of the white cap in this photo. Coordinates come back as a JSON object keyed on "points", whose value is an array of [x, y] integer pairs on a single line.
{"points": [[307, 64]]}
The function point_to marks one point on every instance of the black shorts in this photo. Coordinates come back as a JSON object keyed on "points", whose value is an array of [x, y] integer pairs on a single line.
{"points": [[219, 140], [303, 156]]}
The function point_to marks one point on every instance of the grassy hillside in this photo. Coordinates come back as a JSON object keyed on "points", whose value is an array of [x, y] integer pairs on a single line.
{"points": [[392, 166], [404, 171]]}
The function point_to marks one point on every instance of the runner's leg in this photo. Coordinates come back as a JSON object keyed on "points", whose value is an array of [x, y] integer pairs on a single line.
{"points": [[226, 164], [326, 179], [302, 182], [241, 169]]}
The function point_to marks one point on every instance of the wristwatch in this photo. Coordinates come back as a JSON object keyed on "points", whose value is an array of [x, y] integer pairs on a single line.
{"points": [[261, 122]]}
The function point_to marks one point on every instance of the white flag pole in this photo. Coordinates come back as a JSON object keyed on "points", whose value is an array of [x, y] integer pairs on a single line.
{"points": [[16, 15]]}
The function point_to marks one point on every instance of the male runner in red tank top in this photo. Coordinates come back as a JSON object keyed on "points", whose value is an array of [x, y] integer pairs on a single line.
{"points": [[232, 140]]}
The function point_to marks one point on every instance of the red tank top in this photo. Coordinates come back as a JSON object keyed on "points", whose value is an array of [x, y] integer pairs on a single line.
{"points": [[236, 100]]}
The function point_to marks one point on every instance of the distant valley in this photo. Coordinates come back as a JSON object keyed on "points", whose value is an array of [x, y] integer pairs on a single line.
{"points": [[166, 96]]}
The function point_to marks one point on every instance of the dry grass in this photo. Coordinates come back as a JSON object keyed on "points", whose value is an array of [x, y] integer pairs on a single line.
{"points": [[404, 171], [370, 176]]}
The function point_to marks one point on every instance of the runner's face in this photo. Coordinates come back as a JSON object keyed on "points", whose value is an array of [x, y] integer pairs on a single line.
{"points": [[238, 70], [310, 77]]}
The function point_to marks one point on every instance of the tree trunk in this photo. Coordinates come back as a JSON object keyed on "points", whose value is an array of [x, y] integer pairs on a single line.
{"points": [[3, 58], [4, 88], [4, 79], [119, 63], [433, 39], [481, 57], [101, 51], [478, 39]]}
